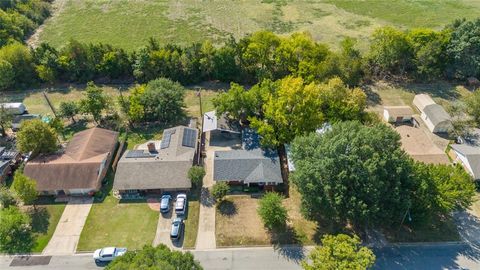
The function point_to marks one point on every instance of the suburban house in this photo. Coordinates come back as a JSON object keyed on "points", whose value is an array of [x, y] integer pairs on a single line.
{"points": [[251, 165], [397, 114], [158, 166], [8, 160], [434, 115], [79, 169], [468, 154]]}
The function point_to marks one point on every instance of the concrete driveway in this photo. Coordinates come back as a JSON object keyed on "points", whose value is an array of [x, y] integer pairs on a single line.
{"points": [[65, 238], [162, 236]]}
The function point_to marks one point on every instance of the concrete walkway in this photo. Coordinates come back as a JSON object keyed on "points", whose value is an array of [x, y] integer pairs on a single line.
{"points": [[206, 225], [65, 238]]}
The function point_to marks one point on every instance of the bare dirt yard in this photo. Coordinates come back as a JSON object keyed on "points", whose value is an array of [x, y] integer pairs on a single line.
{"points": [[419, 145]]}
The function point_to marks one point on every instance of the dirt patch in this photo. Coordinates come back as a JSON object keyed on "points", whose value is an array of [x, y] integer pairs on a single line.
{"points": [[154, 204], [57, 7], [242, 226], [418, 145]]}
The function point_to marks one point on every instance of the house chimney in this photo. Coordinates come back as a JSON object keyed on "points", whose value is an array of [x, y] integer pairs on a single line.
{"points": [[151, 147]]}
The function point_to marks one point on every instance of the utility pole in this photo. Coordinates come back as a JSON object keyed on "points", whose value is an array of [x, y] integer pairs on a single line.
{"points": [[202, 138]]}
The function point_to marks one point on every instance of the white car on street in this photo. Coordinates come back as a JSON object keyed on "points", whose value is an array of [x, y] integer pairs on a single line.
{"points": [[108, 254]]}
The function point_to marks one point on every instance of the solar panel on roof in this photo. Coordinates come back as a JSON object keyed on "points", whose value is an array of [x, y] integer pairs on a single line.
{"points": [[137, 154], [189, 137], [167, 136]]}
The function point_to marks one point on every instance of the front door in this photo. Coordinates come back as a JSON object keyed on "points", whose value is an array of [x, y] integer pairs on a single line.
{"points": [[399, 119]]}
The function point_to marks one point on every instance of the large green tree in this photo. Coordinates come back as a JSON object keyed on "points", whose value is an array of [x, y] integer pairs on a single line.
{"points": [[95, 102], [390, 52], [295, 108], [6, 118], [7, 198], [37, 137], [163, 100], [340, 252], [464, 49], [345, 174], [20, 58], [271, 211], [439, 190], [69, 109], [155, 258], [15, 231], [473, 105], [25, 188]]}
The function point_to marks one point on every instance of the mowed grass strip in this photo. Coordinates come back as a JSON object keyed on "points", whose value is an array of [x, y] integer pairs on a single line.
{"points": [[44, 222], [111, 223], [191, 225]]}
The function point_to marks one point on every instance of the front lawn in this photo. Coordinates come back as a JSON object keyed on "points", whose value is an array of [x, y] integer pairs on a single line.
{"points": [[44, 222], [114, 223]]}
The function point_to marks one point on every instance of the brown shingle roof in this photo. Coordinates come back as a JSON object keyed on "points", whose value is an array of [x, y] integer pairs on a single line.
{"points": [[78, 167]]}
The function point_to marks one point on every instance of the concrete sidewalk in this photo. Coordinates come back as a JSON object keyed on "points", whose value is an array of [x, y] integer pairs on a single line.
{"points": [[65, 238]]}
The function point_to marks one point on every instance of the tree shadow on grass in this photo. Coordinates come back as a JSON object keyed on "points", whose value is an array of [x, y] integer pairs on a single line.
{"points": [[287, 243], [227, 208], [40, 219], [373, 98]]}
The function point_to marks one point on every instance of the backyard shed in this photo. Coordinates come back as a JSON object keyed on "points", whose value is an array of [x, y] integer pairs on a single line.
{"points": [[14, 107], [436, 119], [433, 114], [422, 100], [397, 114]]}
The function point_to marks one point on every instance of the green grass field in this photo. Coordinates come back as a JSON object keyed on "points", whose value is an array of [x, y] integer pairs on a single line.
{"points": [[129, 23], [111, 223]]}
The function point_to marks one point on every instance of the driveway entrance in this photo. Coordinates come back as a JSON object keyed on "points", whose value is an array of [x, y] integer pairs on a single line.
{"points": [[65, 238]]}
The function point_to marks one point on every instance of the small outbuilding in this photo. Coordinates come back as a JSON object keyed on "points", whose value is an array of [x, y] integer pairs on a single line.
{"points": [[433, 114], [14, 107], [397, 114], [421, 101]]}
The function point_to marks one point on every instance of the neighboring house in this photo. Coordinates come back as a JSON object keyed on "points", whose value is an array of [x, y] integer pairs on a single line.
{"points": [[8, 160], [250, 165], [79, 169], [467, 152], [397, 114], [159, 165], [220, 124], [469, 156], [18, 119], [434, 115], [14, 108]]}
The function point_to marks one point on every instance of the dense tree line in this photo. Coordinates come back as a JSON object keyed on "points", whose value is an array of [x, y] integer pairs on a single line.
{"points": [[18, 18], [419, 54]]}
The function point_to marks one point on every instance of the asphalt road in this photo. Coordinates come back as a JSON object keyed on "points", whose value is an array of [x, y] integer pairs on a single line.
{"points": [[406, 257]]}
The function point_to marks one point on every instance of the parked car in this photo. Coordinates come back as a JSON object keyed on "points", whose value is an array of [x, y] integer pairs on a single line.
{"points": [[181, 204], [165, 203], [108, 254], [177, 229]]}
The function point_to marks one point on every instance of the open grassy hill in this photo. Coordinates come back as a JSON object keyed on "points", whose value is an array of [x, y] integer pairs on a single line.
{"points": [[129, 23]]}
